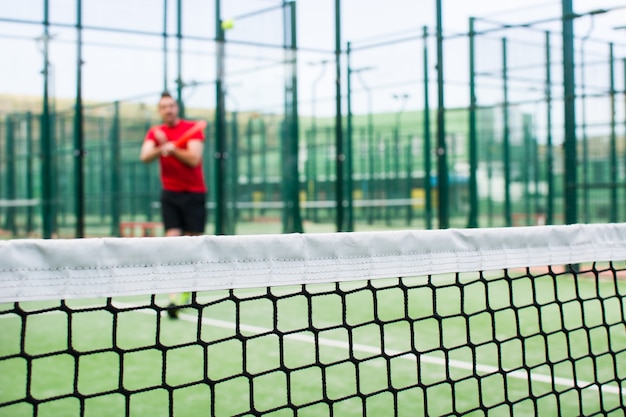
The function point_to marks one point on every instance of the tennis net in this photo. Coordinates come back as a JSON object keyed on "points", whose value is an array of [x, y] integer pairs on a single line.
{"points": [[482, 322]]}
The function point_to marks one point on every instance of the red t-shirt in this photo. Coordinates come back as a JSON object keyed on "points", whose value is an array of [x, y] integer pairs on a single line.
{"points": [[176, 176]]}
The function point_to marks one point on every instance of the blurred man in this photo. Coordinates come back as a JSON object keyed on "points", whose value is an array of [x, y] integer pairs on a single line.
{"points": [[183, 194]]}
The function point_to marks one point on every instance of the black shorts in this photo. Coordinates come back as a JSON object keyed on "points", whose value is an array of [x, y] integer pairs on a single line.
{"points": [[183, 210]]}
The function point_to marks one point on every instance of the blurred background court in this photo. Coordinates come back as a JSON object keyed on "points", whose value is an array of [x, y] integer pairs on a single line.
{"points": [[523, 122]]}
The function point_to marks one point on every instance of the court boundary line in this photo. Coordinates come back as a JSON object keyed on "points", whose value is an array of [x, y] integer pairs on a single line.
{"points": [[414, 357]]}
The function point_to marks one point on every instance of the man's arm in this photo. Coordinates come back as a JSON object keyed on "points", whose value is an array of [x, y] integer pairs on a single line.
{"points": [[150, 150]]}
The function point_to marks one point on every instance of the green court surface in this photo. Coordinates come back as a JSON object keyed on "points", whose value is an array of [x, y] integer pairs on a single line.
{"points": [[496, 344]]}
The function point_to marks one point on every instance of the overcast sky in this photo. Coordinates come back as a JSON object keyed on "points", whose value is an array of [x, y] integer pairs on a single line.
{"points": [[122, 65]]}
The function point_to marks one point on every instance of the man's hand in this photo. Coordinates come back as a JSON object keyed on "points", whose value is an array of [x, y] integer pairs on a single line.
{"points": [[167, 148]]}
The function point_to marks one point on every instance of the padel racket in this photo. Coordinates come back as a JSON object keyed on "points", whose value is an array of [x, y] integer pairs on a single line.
{"points": [[187, 135]]}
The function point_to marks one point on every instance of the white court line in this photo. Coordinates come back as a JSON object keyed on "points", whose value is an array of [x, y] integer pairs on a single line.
{"points": [[480, 368]]}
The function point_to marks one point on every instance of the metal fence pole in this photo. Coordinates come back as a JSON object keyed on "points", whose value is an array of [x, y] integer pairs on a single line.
{"points": [[267, 190], [506, 155], [442, 156], [409, 179], [79, 151], [179, 56], [397, 191], [339, 153], [370, 160], [249, 153], [613, 156], [472, 220], [527, 165], [233, 177], [165, 67], [115, 167], [624, 69], [549, 150], [583, 130], [292, 222], [47, 212], [428, 201], [569, 91], [220, 128], [30, 175], [312, 155], [10, 178], [349, 207], [536, 173]]}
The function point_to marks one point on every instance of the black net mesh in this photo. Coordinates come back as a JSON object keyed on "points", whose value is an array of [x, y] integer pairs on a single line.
{"points": [[509, 342]]}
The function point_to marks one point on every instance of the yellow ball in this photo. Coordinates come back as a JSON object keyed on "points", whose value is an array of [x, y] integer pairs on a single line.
{"points": [[228, 24]]}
